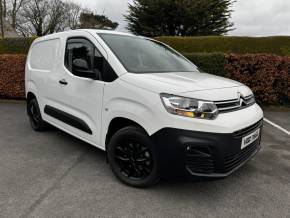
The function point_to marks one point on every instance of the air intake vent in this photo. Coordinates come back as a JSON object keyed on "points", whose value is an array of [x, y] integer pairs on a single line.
{"points": [[199, 160]]}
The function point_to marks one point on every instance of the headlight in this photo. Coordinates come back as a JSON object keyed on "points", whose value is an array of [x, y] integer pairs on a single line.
{"points": [[189, 107]]}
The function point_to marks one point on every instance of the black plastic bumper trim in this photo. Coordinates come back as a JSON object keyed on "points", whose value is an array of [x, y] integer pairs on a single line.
{"points": [[171, 150]]}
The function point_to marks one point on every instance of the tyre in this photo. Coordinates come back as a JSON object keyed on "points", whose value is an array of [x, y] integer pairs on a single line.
{"points": [[35, 118], [131, 157]]}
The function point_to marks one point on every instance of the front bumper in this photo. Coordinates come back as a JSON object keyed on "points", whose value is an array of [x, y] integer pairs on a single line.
{"points": [[190, 153]]}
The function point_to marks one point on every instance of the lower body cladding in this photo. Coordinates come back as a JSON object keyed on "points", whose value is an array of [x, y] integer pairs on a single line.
{"points": [[183, 153]]}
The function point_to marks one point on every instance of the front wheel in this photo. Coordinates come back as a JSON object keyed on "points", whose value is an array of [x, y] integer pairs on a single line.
{"points": [[131, 157]]}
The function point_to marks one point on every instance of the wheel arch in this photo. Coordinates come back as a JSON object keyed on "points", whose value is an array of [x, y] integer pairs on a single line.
{"points": [[30, 96], [31, 90], [118, 123]]}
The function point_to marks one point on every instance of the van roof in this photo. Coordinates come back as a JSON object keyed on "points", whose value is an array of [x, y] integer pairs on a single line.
{"points": [[92, 31], [106, 31]]}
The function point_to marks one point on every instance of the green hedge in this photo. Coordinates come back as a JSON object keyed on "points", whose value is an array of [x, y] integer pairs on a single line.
{"points": [[15, 45], [213, 63], [279, 45]]}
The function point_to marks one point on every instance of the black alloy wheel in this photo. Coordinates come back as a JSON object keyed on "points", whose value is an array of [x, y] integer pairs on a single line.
{"points": [[131, 157], [134, 159]]}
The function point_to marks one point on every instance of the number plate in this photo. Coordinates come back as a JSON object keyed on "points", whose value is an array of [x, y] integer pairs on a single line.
{"points": [[247, 140]]}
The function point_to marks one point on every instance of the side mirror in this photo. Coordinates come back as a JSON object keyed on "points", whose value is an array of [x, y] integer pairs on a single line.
{"points": [[80, 67]]}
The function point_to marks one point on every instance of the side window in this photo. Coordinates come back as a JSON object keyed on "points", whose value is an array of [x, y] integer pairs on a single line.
{"points": [[38, 61], [79, 56], [83, 59]]}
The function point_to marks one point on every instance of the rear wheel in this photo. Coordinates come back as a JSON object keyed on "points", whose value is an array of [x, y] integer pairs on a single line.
{"points": [[35, 118], [131, 157]]}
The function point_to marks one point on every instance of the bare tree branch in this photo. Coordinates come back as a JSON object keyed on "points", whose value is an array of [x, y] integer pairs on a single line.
{"points": [[42, 17], [73, 14]]}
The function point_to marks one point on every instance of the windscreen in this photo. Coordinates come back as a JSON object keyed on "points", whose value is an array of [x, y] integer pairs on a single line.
{"points": [[140, 55]]}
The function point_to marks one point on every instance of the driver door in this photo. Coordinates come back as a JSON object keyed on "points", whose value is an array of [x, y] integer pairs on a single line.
{"points": [[77, 108]]}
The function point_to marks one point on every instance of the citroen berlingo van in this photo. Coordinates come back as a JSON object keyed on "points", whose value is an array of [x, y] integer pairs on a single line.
{"points": [[153, 112]]}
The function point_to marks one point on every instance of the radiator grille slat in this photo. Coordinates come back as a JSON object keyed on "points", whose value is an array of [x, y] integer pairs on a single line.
{"points": [[235, 104], [248, 130]]}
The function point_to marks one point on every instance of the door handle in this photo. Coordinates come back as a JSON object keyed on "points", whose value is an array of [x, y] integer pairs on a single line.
{"points": [[63, 82]]}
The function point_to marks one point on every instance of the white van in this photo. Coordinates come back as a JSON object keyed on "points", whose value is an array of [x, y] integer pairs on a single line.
{"points": [[153, 112]]}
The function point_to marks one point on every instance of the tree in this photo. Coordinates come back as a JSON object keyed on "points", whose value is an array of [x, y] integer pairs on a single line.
{"points": [[7, 29], [73, 15], [1, 19], [32, 17], [4, 8], [57, 15], [179, 17], [41, 17], [89, 20], [14, 7]]}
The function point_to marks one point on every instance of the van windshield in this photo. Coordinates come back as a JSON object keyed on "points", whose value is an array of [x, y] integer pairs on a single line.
{"points": [[141, 55]]}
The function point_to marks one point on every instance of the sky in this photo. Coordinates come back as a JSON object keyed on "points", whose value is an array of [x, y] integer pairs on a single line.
{"points": [[250, 17]]}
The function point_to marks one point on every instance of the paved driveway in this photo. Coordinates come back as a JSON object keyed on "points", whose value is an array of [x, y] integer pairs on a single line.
{"points": [[52, 174]]}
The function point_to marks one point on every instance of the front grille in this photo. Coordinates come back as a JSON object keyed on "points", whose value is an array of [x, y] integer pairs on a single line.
{"points": [[235, 104], [199, 160], [248, 130], [234, 160]]}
